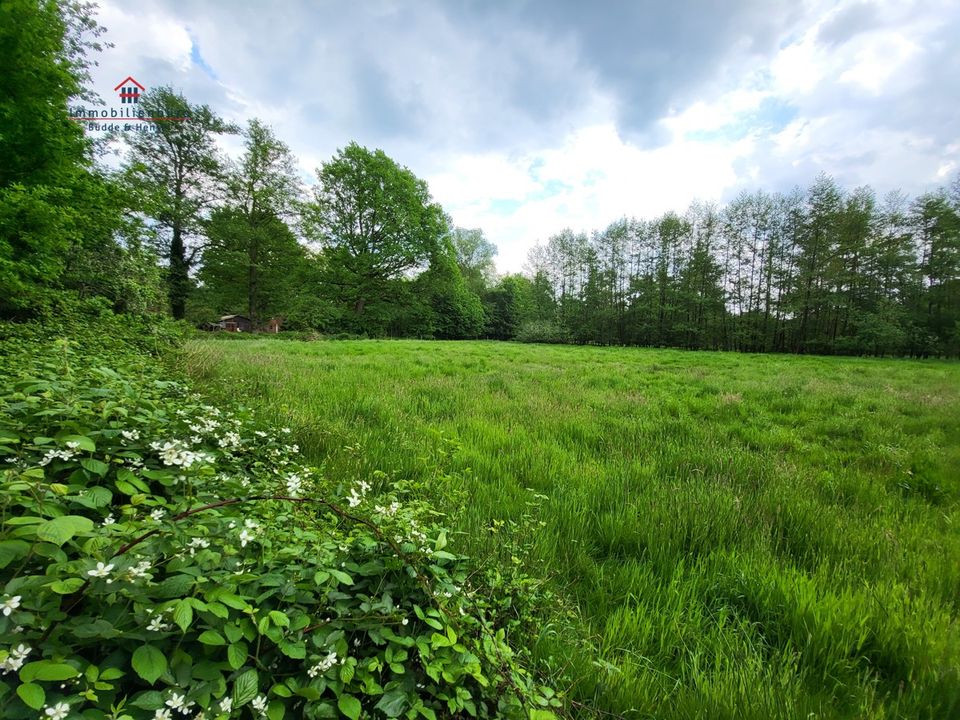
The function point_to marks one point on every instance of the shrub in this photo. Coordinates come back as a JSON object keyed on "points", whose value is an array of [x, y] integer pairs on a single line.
{"points": [[160, 557], [542, 331]]}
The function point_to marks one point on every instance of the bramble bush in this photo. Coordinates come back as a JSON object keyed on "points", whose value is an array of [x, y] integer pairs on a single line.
{"points": [[163, 558]]}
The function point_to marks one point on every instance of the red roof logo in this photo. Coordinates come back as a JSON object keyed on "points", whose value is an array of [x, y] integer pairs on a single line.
{"points": [[129, 90]]}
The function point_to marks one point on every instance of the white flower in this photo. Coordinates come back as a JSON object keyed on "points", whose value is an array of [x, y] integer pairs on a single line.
{"points": [[404, 621], [101, 570], [53, 454], [328, 662], [130, 434], [139, 570], [285, 430], [198, 544], [157, 624], [72, 445], [109, 520], [245, 537], [174, 453], [230, 440], [364, 486], [389, 510], [260, 704], [353, 499], [157, 514], [10, 604], [15, 658], [162, 714], [226, 705], [179, 702], [294, 483], [57, 712]]}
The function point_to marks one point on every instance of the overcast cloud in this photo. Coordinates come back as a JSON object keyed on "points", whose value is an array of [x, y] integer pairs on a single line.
{"points": [[528, 117]]}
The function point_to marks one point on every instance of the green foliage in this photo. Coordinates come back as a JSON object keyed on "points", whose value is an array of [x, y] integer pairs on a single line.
{"points": [[453, 310], [377, 222], [175, 178], [159, 554], [542, 331], [51, 204]]}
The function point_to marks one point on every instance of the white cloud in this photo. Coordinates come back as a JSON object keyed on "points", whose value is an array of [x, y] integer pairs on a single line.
{"points": [[524, 125]]}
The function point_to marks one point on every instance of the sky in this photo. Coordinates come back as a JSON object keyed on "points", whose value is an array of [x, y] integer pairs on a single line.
{"points": [[528, 117]]}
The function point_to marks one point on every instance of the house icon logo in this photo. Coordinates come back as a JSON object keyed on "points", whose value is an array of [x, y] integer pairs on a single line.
{"points": [[129, 90]]}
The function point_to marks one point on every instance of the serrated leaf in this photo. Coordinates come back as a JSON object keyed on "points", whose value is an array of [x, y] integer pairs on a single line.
{"points": [[278, 618], [149, 663], [95, 466], [392, 703], [349, 706], [232, 632], [237, 655], [245, 688], [149, 700], [47, 671], [342, 577], [82, 441], [61, 529], [183, 614], [295, 650], [32, 695], [65, 587], [211, 637]]}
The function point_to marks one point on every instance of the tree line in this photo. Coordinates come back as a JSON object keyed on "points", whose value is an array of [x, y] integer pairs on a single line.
{"points": [[822, 271], [181, 228]]}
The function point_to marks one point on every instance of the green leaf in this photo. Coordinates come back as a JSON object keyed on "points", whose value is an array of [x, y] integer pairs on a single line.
{"points": [[61, 529], [183, 614], [392, 703], [211, 637], [128, 476], [95, 466], [11, 550], [96, 496], [150, 700], [295, 650], [278, 618], [32, 695], [237, 655], [275, 710], [245, 688], [536, 714], [349, 706], [47, 670], [149, 663], [82, 441], [342, 577], [231, 600], [66, 587]]}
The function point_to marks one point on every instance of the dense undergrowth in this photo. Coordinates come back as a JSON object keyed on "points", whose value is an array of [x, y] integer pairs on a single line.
{"points": [[161, 557], [743, 536]]}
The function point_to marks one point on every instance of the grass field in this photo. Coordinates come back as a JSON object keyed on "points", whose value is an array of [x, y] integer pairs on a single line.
{"points": [[741, 536]]}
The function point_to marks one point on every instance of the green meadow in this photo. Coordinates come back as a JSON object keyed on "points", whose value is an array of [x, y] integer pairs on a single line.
{"points": [[732, 536]]}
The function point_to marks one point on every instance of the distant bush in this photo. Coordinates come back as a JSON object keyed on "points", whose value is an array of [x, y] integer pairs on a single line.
{"points": [[542, 331], [160, 556]]}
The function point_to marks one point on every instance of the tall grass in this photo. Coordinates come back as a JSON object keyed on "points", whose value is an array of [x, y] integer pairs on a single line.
{"points": [[741, 536]]}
